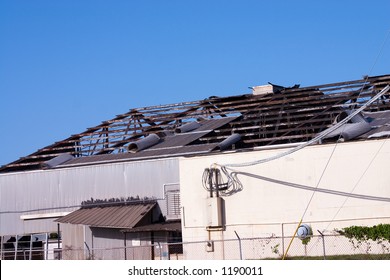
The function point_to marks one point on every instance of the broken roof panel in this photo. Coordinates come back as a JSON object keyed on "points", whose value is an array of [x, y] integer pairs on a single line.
{"points": [[146, 154], [349, 131]]}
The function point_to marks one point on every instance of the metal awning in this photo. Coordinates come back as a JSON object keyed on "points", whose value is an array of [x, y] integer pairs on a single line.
{"points": [[124, 216]]}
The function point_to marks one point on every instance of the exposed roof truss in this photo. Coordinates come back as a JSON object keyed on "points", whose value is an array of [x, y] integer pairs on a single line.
{"points": [[288, 116]]}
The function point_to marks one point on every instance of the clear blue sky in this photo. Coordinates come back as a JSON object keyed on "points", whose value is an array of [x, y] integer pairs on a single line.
{"points": [[67, 65]]}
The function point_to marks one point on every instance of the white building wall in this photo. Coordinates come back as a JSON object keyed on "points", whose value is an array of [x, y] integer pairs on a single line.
{"points": [[264, 209]]}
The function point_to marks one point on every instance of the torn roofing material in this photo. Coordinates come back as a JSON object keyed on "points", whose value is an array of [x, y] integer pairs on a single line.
{"points": [[365, 126], [349, 131], [289, 115]]}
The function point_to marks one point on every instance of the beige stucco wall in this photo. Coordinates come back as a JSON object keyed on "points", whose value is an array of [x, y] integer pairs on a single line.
{"points": [[263, 208]]}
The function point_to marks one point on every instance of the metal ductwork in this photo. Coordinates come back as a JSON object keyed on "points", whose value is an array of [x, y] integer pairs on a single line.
{"points": [[359, 118], [148, 141], [60, 159], [232, 139], [187, 127], [355, 119], [357, 126], [349, 131]]}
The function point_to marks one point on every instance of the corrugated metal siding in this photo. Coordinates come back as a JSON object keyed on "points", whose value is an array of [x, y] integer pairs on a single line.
{"points": [[58, 190], [73, 242], [104, 238]]}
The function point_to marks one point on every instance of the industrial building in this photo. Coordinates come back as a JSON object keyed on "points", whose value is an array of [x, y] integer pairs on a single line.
{"points": [[206, 170]]}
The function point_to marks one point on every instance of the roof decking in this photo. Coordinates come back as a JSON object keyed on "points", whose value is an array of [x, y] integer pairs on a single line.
{"points": [[289, 115]]}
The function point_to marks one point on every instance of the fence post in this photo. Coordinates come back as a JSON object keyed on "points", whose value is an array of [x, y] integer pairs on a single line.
{"points": [[239, 244], [323, 243], [16, 247], [31, 247], [159, 247], [282, 239], [125, 243]]}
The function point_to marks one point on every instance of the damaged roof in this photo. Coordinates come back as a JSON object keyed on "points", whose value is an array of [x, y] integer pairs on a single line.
{"points": [[262, 118]]}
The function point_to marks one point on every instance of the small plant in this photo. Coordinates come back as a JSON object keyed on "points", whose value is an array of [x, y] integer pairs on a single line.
{"points": [[306, 240], [53, 235], [275, 249], [362, 234]]}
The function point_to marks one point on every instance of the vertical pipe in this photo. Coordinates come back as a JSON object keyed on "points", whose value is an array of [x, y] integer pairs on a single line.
{"points": [[216, 182], [58, 236], [211, 181]]}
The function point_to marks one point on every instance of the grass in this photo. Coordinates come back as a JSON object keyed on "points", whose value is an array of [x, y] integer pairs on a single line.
{"points": [[341, 257]]}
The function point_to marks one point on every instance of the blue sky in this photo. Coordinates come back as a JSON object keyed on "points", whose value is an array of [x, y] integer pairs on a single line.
{"points": [[68, 65]]}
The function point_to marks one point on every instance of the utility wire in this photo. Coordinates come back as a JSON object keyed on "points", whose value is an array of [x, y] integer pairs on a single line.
{"points": [[308, 188], [337, 143], [357, 183]]}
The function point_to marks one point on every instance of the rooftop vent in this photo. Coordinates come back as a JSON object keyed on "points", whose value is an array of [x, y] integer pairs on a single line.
{"points": [[187, 127], [228, 142], [265, 89], [148, 141]]}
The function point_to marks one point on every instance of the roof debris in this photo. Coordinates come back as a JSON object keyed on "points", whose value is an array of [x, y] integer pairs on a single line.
{"points": [[287, 115]]}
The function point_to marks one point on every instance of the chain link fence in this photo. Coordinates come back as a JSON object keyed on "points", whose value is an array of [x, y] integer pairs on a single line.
{"points": [[318, 247]]}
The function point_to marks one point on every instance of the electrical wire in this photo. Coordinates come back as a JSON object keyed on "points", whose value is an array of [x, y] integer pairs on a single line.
{"points": [[308, 188], [210, 183]]}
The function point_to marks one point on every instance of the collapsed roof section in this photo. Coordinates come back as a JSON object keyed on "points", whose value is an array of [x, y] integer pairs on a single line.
{"points": [[284, 115]]}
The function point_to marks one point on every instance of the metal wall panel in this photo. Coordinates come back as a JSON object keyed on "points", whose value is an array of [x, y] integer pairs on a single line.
{"points": [[59, 190]]}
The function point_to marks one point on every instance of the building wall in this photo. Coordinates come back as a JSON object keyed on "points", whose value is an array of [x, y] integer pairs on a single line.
{"points": [[62, 190], [73, 237], [264, 208]]}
